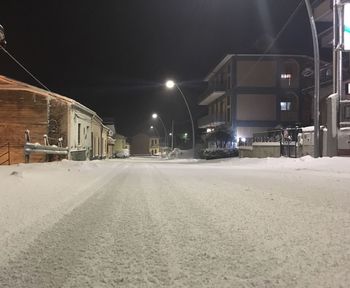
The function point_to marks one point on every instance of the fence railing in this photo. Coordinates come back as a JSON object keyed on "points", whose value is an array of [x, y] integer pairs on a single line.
{"points": [[287, 139], [5, 154]]}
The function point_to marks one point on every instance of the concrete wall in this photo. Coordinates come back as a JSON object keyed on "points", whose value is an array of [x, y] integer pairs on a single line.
{"points": [[260, 107], [269, 149], [261, 150], [96, 137], [80, 131], [256, 74], [140, 145]]}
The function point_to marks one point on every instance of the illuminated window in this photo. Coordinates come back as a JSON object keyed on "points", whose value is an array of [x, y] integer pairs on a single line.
{"points": [[290, 74], [286, 76], [286, 106]]}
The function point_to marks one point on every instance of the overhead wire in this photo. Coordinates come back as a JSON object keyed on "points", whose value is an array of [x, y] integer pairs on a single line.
{"points": [[268, 49], [24, 68]]}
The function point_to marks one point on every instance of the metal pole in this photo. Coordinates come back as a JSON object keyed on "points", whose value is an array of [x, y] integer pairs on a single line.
{"points": [[339, 7], [172, 134], [317, 80], [189, 112], [335, 32], [165, 132]]}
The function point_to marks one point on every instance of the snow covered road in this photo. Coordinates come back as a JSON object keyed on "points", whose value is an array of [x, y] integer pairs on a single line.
{"points": [[148, 223]]}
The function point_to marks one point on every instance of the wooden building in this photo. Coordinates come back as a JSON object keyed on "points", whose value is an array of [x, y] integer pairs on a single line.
{"points": [[25, 107]]}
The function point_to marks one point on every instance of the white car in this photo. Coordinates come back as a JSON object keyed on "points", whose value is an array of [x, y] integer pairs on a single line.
{"points": [[123, 153]]}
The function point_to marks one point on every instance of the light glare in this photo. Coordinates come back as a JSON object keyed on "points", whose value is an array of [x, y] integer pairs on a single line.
{"points": [[170, 84]]}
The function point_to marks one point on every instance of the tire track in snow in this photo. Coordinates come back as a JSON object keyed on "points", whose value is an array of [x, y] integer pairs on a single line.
{"points": [[52, 258]]}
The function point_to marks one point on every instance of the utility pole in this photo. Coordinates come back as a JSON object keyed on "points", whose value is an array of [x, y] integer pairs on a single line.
{"points": [[317, 80], [334, 100], [172, 135]]}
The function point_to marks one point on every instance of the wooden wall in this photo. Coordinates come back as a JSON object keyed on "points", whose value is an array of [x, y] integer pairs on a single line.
{"points": [[21, 110]]}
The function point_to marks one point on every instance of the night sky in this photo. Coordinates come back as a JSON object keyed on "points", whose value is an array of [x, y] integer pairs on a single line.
{"points": [[114, 56]]}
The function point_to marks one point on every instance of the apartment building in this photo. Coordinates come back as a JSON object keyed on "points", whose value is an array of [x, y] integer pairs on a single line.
{"points": [[253, 93]]}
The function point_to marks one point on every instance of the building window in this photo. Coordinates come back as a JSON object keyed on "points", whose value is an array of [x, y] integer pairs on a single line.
{"points": [[228, 100], [289, 74], [79, 131], [221, 115], [286, 106], [347, 112], [228, 115], [286, 76]]}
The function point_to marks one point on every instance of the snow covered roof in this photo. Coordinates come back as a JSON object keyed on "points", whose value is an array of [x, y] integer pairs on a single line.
{"points": [[11, 84]]}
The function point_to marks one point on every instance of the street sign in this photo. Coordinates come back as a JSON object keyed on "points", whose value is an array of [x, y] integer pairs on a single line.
{"points": [[346, 27]]}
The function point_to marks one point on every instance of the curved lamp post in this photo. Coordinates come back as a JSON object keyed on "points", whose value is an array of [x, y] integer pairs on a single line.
{"points": [[170, 85], [156, 116], [317, 80]]}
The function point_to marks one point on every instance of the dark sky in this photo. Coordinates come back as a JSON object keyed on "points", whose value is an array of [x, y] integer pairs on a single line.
{"points": [[113, 55]]}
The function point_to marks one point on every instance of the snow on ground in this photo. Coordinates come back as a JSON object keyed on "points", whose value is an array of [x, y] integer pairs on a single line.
{"points": [[33, 196], [176, 223]]}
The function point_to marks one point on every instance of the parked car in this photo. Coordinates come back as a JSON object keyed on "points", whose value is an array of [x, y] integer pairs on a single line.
{"points": [[122, 153]]}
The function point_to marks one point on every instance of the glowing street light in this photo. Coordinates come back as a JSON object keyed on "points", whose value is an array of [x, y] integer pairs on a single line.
{"points": [[170, 84], [156, 116]]}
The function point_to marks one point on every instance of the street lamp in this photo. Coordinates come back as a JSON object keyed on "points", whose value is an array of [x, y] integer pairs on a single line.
{"points": [[156, 116], [170, 84], [317, 80]]}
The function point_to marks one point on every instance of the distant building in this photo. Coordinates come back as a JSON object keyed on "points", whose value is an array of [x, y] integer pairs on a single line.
{"points": [[253, 93], [110, 124], [145, 144], [120, 143]]}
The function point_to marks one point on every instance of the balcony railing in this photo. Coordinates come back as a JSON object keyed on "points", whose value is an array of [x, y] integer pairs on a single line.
{"points": [[211, 94], [210, 121]]}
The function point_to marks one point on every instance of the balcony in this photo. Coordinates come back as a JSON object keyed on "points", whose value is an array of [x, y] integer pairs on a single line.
{"points": [[210, 121], [211, 94], [323, 10]]}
